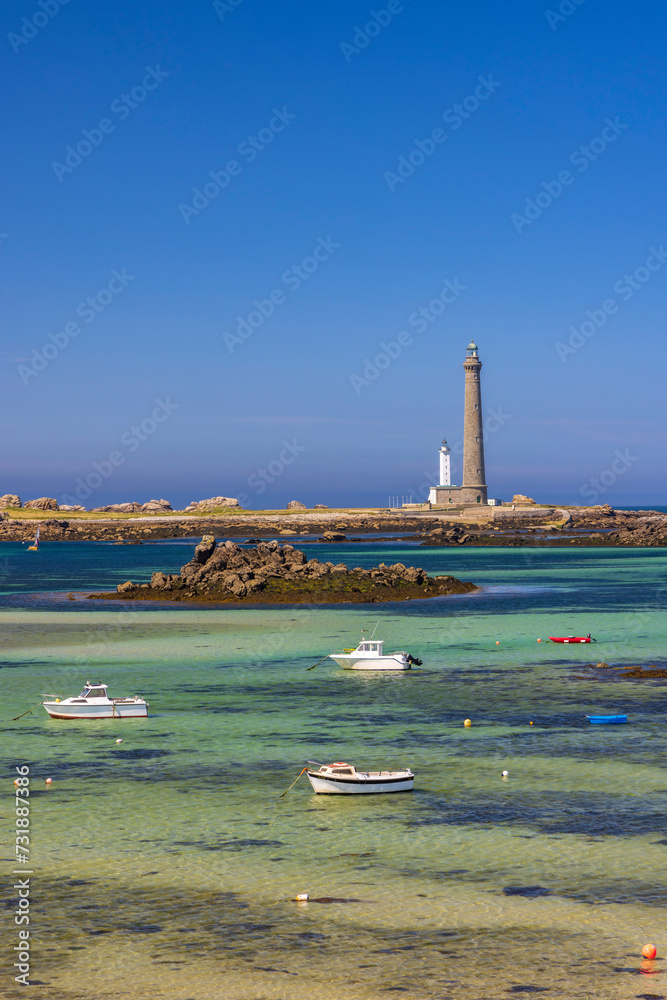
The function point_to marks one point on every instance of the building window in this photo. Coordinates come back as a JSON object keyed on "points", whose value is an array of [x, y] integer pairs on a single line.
{"points": [[479, 499]]}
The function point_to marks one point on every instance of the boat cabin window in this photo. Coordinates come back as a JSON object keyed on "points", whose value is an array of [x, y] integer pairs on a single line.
{"points": [[342, 770], [93, 693], [369, 647]]}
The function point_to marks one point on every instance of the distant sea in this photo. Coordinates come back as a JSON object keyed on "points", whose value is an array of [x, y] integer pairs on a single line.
{"points": [[662, 510], [166, 865]]}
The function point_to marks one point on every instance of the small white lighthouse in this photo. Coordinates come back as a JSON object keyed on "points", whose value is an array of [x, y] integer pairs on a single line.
{"points": [[445, 465], [445, 471]]}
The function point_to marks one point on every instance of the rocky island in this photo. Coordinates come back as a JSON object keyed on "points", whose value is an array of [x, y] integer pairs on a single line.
{"points": [[270, 573], [522, 522]]}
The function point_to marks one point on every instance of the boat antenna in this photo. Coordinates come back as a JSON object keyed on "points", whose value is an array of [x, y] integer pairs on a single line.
{"points": [[375, 629]]}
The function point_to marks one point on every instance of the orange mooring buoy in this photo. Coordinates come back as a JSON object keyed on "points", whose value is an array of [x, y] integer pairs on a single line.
{"points": [[649, 951]]}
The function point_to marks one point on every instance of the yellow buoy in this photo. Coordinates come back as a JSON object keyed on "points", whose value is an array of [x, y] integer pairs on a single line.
{"points": [[467, 723]]}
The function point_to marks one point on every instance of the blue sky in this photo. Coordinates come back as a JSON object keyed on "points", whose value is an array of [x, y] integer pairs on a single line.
{"points": [[217, 217]]}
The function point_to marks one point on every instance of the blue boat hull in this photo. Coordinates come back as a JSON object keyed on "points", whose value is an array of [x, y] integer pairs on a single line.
{"points": [[607, 720]]}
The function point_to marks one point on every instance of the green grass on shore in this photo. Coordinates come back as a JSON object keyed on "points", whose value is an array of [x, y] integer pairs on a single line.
{"points": [[30, 514]]}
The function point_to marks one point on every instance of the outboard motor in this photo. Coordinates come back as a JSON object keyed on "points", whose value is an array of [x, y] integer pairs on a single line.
{"points": [[413, 659]]}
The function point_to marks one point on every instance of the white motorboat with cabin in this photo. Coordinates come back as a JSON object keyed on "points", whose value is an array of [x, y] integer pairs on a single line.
{"points": [[94, 703], [344, 779], [370, 655]]}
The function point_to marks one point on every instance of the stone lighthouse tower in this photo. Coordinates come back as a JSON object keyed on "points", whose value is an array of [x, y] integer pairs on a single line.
{"points": [[473, 486]]}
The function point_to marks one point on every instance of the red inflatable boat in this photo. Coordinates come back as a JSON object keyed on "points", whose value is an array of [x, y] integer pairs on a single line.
{"points": [[572, 638]]}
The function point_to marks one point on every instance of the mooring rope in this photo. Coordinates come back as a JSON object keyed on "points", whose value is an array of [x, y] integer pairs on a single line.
{"points": [[293, 783], [29, 711]]}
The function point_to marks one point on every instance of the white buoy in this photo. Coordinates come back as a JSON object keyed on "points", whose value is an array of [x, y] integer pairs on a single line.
{"points": [[119, 741], [302, 897], [505, 774]]}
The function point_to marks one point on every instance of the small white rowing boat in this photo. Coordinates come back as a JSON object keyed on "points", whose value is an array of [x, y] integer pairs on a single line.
{"points": [[94, 703], [369, 655], [344, 779]]}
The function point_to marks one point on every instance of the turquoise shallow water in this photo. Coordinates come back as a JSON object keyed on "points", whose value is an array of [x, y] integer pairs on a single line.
{"points": [[165, 865]]}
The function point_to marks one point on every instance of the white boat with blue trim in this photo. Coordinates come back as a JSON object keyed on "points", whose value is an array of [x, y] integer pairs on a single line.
{"points": [[344, 779]]}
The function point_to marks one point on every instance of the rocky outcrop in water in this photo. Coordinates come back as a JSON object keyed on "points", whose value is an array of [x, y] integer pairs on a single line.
{"points": [[645, 531], [272, 573], [650, 672], [454, 534]]}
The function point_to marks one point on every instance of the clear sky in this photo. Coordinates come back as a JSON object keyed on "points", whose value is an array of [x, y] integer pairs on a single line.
{"points": [[219, 216]]}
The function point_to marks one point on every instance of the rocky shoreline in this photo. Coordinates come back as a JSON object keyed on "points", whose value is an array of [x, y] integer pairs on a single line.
{"points": [[271, 573], [524, 526]]}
